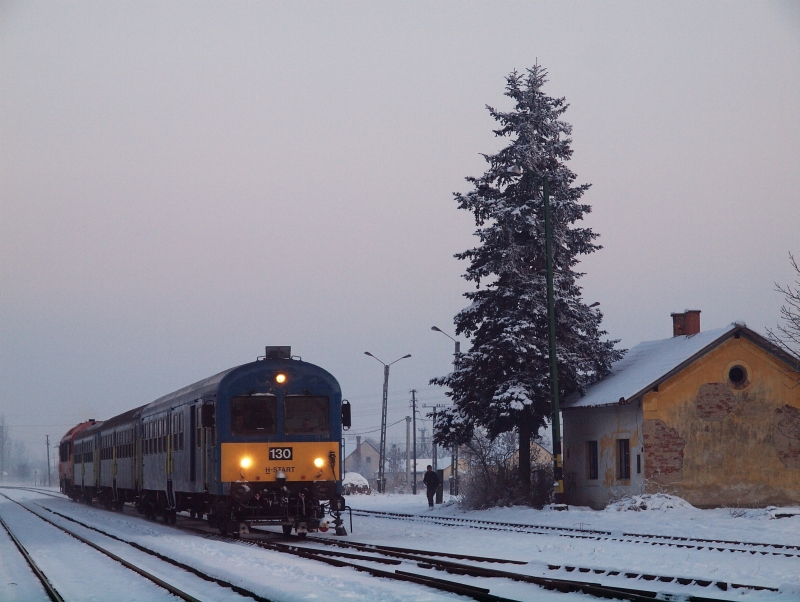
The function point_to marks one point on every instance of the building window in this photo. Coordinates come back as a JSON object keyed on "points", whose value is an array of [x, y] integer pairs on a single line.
{"points": [[369, 460], [737, 377], [638, 463], [591, 459], [623, 459]]}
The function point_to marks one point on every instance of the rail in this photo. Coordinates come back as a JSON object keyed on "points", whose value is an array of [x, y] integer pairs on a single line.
{"points": [[160, 582], [713, 545], [48, 587]]}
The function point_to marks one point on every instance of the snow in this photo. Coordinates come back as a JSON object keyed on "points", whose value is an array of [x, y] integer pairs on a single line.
{"points": [[17, 581], [354, 479], [643, 365], [666, 515], [280, 577], [649, 501], [63, 559], [273, 575]]}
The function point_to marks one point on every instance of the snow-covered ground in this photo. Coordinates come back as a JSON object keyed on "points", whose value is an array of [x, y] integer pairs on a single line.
{"points": [[664, 516], [286, 578], [85, 575]]}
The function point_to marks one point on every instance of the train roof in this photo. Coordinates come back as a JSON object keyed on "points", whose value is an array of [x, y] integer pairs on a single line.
{"points": [[111, 423], [78, 428], [207, 388], [198, 389], [202, 389]]}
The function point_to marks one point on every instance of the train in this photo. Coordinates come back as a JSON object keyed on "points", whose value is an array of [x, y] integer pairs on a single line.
{"points": [[259, 443]]}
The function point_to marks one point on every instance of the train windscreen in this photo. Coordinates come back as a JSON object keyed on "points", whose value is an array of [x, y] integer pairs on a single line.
{"points": [[306, 415], [254, 415]]}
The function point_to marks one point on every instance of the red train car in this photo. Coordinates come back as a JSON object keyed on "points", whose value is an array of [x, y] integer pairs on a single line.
{"points": [[66, 467]]}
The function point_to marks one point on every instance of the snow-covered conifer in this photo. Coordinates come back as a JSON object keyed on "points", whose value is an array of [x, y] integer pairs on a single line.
{"points": [[502, 381]]}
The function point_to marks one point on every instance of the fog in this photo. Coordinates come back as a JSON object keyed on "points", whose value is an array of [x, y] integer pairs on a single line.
{"points": [[184, 183]]}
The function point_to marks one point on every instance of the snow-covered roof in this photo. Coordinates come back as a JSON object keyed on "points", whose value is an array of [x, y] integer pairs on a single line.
{"points": [[645, 365]]}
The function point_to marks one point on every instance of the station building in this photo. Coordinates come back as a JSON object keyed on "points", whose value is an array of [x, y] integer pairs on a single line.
{"points": [[712, 417]]}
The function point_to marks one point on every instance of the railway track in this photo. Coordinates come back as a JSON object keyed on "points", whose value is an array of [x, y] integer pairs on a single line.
{"points": [[441, 561], [713, 545], [51, 591], [55, 596], [368, 556], [420, 555], [378, 560]]}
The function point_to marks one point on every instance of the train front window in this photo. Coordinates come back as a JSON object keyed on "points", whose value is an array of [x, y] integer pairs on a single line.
{"points": [[306, 415], [254, 415]]}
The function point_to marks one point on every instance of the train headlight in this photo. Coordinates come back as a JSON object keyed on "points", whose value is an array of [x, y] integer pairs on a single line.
{"points": [[246, 462], [280, 378], [319, 462]]}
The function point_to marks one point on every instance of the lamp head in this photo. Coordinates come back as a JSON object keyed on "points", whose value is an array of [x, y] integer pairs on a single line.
{"points": [[436, 328]]}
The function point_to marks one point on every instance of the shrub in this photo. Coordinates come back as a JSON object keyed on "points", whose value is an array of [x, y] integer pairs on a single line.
{"points": [[493, 476]]}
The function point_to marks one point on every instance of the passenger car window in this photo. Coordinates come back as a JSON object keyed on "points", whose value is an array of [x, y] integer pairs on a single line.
{"points": [[254, 415], [306, 415]]}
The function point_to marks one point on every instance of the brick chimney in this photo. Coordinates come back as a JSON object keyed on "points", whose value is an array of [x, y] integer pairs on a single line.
{"points": [[686, 323]]}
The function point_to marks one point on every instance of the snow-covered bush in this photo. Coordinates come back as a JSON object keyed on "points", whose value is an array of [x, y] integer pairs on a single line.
{"points": [[354, 483], [648, 501]]}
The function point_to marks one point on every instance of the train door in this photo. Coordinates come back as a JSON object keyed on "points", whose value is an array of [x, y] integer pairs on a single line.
{"points": [[116, 438], [169, 424], [205, 428], [193, 444], [96, 461], [201, 447], [79, 470], [136, 454]]}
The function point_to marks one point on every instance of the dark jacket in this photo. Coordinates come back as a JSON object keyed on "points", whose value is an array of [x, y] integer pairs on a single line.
{"points": [[431, 479]]}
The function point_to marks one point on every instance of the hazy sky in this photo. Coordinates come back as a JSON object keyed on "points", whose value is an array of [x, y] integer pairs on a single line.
{"points": [[184, 183]]}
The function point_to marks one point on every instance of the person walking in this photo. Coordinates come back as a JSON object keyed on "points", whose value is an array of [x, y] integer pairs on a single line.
{"points": [[431, 481]]}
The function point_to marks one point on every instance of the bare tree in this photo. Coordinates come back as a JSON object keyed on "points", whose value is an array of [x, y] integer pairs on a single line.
{"points": [[492, 478], [787, 335], [396, 469]]}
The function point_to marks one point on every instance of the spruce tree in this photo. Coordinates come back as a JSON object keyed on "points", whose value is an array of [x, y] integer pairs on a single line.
{"points": [[502, 381]]}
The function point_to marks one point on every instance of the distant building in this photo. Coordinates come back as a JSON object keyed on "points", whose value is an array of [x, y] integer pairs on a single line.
{"points": [[713, 417], [539, 455], [363, 460]]}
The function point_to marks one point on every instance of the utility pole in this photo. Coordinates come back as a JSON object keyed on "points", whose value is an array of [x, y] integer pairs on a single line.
{"points": [[414, 418], [47, 440], [558, 471], [434, 451], [382, 451], [408, 451], [454, 451]]}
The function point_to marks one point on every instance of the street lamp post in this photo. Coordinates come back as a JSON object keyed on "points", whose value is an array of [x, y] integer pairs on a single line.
{"points": [[382, 451], [454, 455]]}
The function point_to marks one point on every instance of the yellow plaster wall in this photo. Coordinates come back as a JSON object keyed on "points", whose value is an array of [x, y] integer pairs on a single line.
{"points": [[732, 461]]}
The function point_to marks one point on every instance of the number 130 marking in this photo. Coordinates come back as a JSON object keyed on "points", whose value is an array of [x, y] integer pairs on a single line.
{"points": [[280, 453]]}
